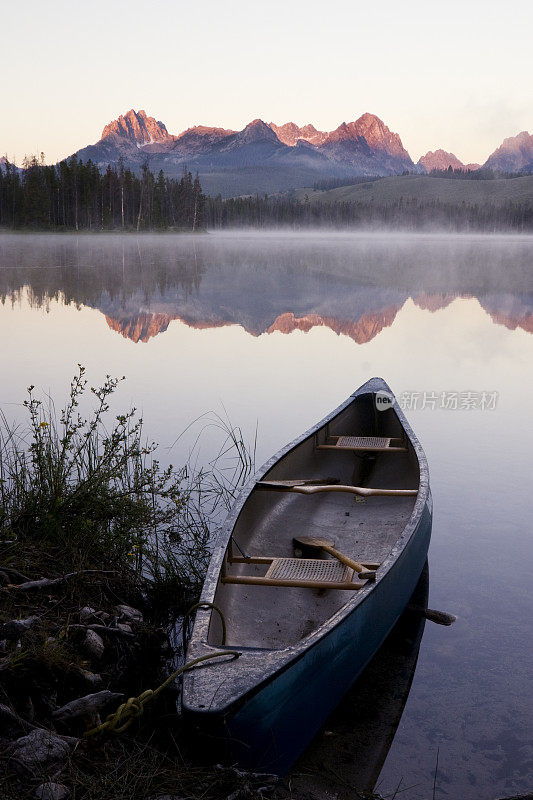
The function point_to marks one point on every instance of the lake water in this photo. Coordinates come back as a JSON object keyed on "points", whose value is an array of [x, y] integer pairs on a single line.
{"points": [[275, 330]]}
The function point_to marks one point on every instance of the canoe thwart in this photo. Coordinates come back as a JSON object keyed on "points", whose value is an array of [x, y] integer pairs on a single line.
{"points": [[249, 580], [371, 565]]}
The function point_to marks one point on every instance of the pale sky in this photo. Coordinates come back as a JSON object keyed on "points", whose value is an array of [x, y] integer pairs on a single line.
{"points": [[454, 75]]}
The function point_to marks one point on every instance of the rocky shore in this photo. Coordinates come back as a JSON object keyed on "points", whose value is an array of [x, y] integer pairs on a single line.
{"points": [[72, 649]]}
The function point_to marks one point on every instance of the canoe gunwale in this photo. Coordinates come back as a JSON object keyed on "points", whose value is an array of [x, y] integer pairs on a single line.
{"points": [[272, 661]]}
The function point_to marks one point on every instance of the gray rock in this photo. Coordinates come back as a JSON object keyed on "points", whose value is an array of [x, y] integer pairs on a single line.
{"points": [[128, 613], [36, 750], [94, 644], [123, 626], [87, 614], [86, 706], [16, 627], [52, 791]]}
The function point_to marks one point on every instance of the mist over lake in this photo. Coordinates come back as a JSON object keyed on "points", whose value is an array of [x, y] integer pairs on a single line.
{"points": [[275, 330]]}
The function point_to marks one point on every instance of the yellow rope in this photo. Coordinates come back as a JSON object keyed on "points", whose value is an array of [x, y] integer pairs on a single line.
{"points": [[122, 718]]}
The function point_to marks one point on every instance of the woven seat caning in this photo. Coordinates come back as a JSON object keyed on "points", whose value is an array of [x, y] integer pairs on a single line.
{"points": [[308, 569], [363, 441]]}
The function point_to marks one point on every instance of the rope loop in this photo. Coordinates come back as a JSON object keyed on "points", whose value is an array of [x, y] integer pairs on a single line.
{"points": [[202, 604]]}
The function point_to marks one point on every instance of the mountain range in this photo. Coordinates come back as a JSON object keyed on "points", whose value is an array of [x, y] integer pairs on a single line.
{"points": [[266, 157], [269, 158], [260, 158]]}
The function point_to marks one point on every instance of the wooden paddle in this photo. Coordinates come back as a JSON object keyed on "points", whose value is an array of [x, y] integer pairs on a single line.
{"points": [[314, 487], [327, 547], [362, 491]]}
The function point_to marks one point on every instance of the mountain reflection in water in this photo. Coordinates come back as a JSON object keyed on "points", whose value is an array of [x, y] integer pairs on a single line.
{"points": [[354, 286]]}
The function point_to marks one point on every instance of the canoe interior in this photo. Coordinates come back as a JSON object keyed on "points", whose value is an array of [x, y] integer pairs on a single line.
{"points": [[271, 617]]}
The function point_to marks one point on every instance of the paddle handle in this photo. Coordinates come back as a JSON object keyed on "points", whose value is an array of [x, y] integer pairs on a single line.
{"points": [[362, 491], [355, 565]]}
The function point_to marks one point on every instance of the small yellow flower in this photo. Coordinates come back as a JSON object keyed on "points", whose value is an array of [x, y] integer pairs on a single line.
{"points": [[44, 424]]}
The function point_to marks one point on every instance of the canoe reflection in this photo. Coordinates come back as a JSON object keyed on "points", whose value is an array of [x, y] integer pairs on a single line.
{"points": [[347, 756]]}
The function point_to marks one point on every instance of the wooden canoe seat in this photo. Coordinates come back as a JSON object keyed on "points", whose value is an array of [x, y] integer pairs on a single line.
{"points": [[367, 444], [307, 573], [303, 573]]}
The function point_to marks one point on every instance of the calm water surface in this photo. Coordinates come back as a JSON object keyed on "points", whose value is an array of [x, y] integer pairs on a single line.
{"points": [[275, 331]]}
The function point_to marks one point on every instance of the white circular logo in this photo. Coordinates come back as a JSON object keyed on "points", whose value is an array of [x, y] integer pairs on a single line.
{"points": [[384, 400]]}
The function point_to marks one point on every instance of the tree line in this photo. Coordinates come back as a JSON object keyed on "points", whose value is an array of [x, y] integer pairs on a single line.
{"points": [[73, 195], [406, 213], [481, 174]]}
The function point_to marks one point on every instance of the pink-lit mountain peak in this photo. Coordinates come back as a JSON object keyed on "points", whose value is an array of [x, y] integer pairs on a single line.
{"points": [[289, 133], [440, 160], [138, 128], [377, 134], [515, 153], [345, 132]]}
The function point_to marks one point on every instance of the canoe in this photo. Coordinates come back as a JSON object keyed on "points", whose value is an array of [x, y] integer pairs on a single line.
{"points": [[294, 633]]}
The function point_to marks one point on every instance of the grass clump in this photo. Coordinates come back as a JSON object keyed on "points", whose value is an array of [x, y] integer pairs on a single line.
{"points": [[89, 496]]}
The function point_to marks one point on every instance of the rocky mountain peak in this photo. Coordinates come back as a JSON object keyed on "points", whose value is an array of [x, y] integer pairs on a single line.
{"points": [[377, 135], [257, 131], [440, 159], [290, 133], [513, 155], [138, 128], [342, 134]]}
